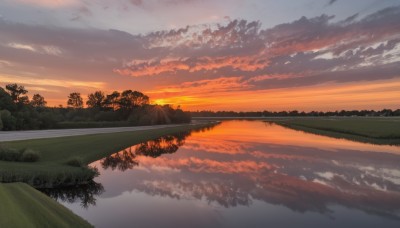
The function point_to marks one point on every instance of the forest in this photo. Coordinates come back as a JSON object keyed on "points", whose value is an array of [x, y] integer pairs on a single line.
{"points": [[126, 108]]}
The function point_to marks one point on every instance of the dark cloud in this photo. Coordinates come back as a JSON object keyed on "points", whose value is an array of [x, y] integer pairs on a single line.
{"points": [[331, 2], [350, 19]]}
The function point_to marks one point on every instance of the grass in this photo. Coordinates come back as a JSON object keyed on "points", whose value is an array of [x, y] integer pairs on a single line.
{"points": [[63, 160], [378, 130], [24, 206]]}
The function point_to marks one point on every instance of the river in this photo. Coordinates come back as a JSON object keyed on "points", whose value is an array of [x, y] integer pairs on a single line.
{"points": [[244, 174]]}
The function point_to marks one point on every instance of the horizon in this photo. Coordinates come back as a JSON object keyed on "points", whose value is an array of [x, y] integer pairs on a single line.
{"points": [[208, 55]]}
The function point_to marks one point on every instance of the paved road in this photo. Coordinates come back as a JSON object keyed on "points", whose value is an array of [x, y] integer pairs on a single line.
{"points": [[40, 134]]}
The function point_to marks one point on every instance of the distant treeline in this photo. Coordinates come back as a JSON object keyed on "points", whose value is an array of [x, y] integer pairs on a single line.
{"points": [[127, 108], [383, 112]]}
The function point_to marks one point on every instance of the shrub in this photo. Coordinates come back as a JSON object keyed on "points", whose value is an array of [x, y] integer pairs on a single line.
{"points": [[30, 156], [9, 154], [14, 155], [76, 162]]}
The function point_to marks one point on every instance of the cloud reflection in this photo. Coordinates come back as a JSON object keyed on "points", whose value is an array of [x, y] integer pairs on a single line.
{"points": [[300, 177]]}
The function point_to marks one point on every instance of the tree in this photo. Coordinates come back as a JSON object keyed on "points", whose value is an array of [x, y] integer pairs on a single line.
{"points": [[112, 100], [1, 123], [75, 100], [96, 100], [38, 101], [133, 99], [6, 101], [16, 91], [9, 121]]}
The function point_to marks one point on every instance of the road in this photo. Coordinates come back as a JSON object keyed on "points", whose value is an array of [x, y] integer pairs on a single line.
{"points": [[41, 134]]}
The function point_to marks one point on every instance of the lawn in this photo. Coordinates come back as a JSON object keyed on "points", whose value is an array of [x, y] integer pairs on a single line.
{"points": [[378, 130], [23, 206]]}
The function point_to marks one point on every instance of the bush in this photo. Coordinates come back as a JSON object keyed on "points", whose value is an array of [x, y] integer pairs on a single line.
{"points": [[11, 154], [76, 162], [30, 156]]}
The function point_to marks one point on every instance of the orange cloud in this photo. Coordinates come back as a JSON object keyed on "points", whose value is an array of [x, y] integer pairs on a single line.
{"points": [[206, 165], [246, 63], [231, 94]]}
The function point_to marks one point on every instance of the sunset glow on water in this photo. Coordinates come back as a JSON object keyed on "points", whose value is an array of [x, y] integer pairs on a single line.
{"points": [[261, 174]]}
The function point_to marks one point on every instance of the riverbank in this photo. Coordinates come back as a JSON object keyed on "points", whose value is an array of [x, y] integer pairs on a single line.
{"points": [[379, 130], [63, 160], [23, 206]]}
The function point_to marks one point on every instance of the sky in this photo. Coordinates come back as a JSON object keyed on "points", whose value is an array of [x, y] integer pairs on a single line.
{"points": [[240, 55]]}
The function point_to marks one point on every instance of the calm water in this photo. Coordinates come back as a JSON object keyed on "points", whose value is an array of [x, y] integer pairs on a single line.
{"points": [[244, 174]]}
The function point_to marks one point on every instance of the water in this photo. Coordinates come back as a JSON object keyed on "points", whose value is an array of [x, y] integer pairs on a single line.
{"points": [[244, 174]]}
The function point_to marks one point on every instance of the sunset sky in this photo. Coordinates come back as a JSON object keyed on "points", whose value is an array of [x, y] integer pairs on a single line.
{"points": [[241, 55]]}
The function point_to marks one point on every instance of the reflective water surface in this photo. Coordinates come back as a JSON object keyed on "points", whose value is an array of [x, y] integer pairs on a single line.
{"points": [[243, 174]]}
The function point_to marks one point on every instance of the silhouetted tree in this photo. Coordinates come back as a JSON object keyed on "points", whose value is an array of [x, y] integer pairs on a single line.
{"points": [[132, 99], [16, 91], [165, 145], [86, 193], [6, 102], [38, 101], [96, 100], [75, 100], [112, 100], [123, 160]]}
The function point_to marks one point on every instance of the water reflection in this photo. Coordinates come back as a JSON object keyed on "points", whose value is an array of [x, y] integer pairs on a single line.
{"points": [[127, 158], [85, 194], [242, 163]]}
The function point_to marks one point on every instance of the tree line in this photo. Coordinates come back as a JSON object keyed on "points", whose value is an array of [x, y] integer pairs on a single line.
{"points": [[126, 108], [383, 112]]}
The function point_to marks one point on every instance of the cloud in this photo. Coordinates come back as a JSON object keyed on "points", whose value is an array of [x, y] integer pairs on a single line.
{"points": [[51, 82], [235, 57], [365, 49], [331, 2], [157, 3], [48, 3]]}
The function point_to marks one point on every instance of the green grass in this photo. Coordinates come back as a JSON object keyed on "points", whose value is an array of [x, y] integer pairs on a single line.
{"points": [[378, 130], [24, 206], [55, 153]]}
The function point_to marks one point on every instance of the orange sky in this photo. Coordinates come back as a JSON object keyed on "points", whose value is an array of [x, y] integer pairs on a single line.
{"points": [[327, 59]]}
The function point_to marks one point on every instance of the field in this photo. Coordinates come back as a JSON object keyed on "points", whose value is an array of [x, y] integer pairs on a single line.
{"points": [[24, 206], [378, 130]]}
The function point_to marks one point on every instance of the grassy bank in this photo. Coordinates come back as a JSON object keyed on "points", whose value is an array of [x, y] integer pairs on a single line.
{"points": [[52, 168], [24, 206], [370, 130]]}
